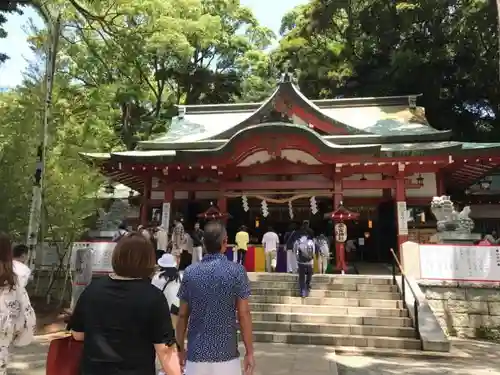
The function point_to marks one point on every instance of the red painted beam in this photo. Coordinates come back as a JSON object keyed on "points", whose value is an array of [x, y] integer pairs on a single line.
{"points": [[278, 168], [273, 168], [348, 201], [254, 185], [289, 185], [376, 184]]}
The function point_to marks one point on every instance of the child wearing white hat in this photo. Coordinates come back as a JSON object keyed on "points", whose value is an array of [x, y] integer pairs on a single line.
{"points": [[168, 280]]}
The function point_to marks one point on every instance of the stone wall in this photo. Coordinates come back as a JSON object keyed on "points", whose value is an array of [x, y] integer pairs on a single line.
{"points": [[464, 308]]}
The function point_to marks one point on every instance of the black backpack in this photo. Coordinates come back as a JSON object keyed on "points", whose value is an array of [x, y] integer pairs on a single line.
{"points": [[305, 249]]}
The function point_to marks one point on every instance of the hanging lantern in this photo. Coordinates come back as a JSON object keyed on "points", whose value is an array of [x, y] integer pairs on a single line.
{"points": [[244, 201], [290, 209]]}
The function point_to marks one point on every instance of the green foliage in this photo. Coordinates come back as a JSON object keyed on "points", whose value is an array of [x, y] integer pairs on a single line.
{"points": [[448, 51], [488, 333], [79, 123], [150, 55], [121, 67], [124, 64], [17, 145]]}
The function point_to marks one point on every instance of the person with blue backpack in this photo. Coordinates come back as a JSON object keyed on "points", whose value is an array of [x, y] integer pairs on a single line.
{"points": [[304, 249]]}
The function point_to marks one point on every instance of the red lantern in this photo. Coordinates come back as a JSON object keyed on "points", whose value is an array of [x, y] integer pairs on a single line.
{"points": [[338, 216]]}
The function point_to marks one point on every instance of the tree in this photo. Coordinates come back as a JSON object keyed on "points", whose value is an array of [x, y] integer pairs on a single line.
{"points": [[447, 51], [148, 56], [80, 123], [17, 143]]}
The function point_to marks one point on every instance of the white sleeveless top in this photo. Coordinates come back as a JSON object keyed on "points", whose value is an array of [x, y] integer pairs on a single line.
{"points": [[170, 290]]}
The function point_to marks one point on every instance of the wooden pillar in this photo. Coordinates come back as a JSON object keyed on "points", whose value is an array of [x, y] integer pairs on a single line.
{"points": [[146, 196], [401, 217], [222, 202], [340, 262], [440, 187]]}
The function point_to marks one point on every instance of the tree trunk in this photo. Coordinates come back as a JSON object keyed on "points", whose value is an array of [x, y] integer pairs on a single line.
{"points": [[498, 36]]}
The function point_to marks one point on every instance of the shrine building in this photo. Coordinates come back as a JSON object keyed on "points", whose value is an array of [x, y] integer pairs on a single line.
{"points": [[292, 158]]}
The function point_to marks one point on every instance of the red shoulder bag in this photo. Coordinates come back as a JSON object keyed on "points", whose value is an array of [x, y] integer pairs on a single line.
{"points": [[64, 356]]}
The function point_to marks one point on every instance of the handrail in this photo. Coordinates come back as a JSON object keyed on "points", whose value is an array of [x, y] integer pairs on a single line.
{"points": [[416, 302]]}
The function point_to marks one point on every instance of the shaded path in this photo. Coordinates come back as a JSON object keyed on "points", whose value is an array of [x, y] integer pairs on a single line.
{"points": [[476, 358]]}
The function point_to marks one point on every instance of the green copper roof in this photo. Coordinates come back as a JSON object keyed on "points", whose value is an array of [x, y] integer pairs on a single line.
{"points": [[387, 116], [479, 146], [383, 120], [194, 155]]}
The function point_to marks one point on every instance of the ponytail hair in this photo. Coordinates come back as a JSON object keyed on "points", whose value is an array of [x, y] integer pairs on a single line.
{"points": [[169, 274]]}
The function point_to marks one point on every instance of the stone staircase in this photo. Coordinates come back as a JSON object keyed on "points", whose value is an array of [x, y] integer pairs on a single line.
{"points": [[348, 311]]}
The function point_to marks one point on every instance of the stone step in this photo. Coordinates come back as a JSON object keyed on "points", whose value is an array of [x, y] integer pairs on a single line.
{"points": [[317, 285], [332, 279], [333, 310], [316, 301], [338, 340], [327, 293], [334, 329], [307, 317]]}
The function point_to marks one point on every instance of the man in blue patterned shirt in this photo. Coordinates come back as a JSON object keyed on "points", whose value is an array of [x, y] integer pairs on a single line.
{"points": [[212, 293]]}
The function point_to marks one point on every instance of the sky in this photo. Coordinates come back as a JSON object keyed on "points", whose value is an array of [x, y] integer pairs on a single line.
{"points": [[268, 12]]}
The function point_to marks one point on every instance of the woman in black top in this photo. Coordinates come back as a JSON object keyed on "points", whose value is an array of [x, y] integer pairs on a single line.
{"points": [[123, 319]]}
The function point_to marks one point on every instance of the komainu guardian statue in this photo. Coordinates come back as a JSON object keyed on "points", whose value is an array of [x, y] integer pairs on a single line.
{"points": [[448, 219]]}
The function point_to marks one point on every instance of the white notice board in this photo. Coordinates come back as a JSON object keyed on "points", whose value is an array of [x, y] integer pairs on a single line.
{"points": [[402, 218], [101, 255], [460, 262]]}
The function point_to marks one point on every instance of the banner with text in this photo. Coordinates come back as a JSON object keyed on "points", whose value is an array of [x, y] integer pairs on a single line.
{"points": [[460, 262], [101, 255]]}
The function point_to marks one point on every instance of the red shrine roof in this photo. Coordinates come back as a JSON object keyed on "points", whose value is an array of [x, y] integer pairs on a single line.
{"points": [[361, 129], [213, 213], [341, 214]]}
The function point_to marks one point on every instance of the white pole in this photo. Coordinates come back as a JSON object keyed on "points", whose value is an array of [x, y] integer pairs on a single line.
{"points": [[35, 218]]}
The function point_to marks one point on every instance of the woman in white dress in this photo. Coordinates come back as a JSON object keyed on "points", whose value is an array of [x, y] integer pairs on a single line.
{"points": [[17, 318]]}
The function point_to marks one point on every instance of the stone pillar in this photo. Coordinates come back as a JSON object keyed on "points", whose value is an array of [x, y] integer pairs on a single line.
{"points": [[401, 216], [340, 262], [146, 196]]}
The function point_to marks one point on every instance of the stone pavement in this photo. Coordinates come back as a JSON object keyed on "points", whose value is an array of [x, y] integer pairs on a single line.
{"points": [[474, 358], [272, 359]]}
